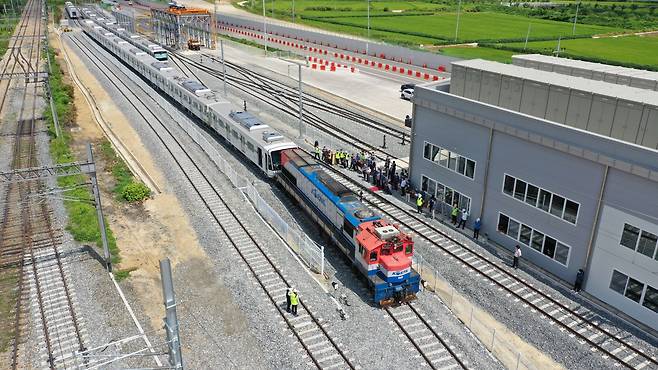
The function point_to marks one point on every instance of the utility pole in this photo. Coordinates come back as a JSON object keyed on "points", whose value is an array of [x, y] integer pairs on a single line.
{"points": [[301, 104], [99, 210], [557, 52], [171, 319], [459, 8], [215, 25], [264, 28], [368, 37], [575, 19], [221, 45], [527, 36]]}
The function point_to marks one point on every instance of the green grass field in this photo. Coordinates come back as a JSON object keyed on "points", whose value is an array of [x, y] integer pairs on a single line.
{"points": [[474, 26], [631, 49], [422, 24]]}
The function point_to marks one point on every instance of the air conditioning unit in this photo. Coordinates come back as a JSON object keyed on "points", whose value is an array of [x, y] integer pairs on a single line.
{"points": [[387, 232]]}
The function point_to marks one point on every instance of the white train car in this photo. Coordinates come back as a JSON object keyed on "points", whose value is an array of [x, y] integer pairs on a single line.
{"points": [[255, 140], [71, 10], [153, 49]]}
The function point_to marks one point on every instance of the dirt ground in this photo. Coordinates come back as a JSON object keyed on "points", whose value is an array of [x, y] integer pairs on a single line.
{"points": [[145, 233]]}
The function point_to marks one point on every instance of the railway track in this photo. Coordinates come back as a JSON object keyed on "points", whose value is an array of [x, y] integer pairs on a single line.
{"points": [[576, 321], [323, 349], [267, 91], [416, 328], [425, 338], [29, 243]]}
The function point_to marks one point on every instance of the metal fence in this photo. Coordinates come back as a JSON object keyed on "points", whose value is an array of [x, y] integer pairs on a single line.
{"points": [[477, 320], [309, 252]]}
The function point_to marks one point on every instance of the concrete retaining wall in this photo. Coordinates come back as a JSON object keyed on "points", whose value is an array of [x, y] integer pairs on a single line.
{"points": [[390, 52]]}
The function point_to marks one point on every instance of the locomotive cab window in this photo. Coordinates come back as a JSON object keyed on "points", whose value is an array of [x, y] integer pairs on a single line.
{"points": [[360, 249], [373, 256]]}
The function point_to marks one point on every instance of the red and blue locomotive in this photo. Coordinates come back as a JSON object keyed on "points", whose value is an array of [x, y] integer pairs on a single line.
{"points": [[379, 250]]}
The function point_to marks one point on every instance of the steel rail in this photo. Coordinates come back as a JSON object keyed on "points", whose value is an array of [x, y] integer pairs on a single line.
{"points": [[257, 90], [470, 263], [312, 100], [174, 138], [413, 341]]}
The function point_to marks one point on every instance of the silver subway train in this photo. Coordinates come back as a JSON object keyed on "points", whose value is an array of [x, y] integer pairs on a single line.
{"points": [[258, 142]]}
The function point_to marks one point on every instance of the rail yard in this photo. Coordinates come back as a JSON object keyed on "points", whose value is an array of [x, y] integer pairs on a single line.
{"points": [[188, 185]]}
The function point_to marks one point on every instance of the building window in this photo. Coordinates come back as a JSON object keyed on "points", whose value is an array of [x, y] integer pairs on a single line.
{"points": [[445, 194], [503, 222], [549, 246], [640, 241], [544, 244], [629, 236], [519, 190], [524, 237], [508, 186], [443, 158], [634, 290], [561, 253], [647, 244], [544, 200], [651, 299], [618, 282], [537, 240], [513, 229], [470, 168], [532, 194], [537, 197], [557, 206], [571, 211], [451, 160]]}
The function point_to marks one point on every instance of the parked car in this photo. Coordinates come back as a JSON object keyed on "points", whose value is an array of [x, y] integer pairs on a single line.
{"points": [[407, 94], [407, 86]]}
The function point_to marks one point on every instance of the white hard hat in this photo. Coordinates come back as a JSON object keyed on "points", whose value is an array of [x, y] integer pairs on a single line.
{"points": [[294, 290]]}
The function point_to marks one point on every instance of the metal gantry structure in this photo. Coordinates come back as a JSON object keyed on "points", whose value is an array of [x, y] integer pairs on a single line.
{"points": [[174, 26]]}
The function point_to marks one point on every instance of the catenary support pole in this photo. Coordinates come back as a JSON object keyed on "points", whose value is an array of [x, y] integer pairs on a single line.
{"points": [[99, 211], [221, 45], [575, 19], [527, 36], [264, 28], [368, 37], [171, 319], [459, 8], [301, 104]]}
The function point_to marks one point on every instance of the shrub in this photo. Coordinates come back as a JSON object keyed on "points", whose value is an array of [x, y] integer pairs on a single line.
{"points": [[135, 192]]}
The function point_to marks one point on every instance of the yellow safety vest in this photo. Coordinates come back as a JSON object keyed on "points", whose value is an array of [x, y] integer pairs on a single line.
{"points": [[294, 299], [419, 201]]}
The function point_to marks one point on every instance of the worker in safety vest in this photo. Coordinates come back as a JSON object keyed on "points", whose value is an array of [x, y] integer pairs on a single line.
{"points": [[419, 203], [294, 301], [317, 152], [454, 213]]}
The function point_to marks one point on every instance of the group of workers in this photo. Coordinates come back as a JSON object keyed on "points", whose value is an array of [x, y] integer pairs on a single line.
{"points": [[389, 179]]}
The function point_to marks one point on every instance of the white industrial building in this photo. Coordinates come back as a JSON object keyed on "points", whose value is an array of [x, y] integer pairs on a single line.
{"points": [[557, 156]]}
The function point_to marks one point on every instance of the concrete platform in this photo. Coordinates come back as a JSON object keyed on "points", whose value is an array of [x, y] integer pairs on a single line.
{"points": [[378, 93]]}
